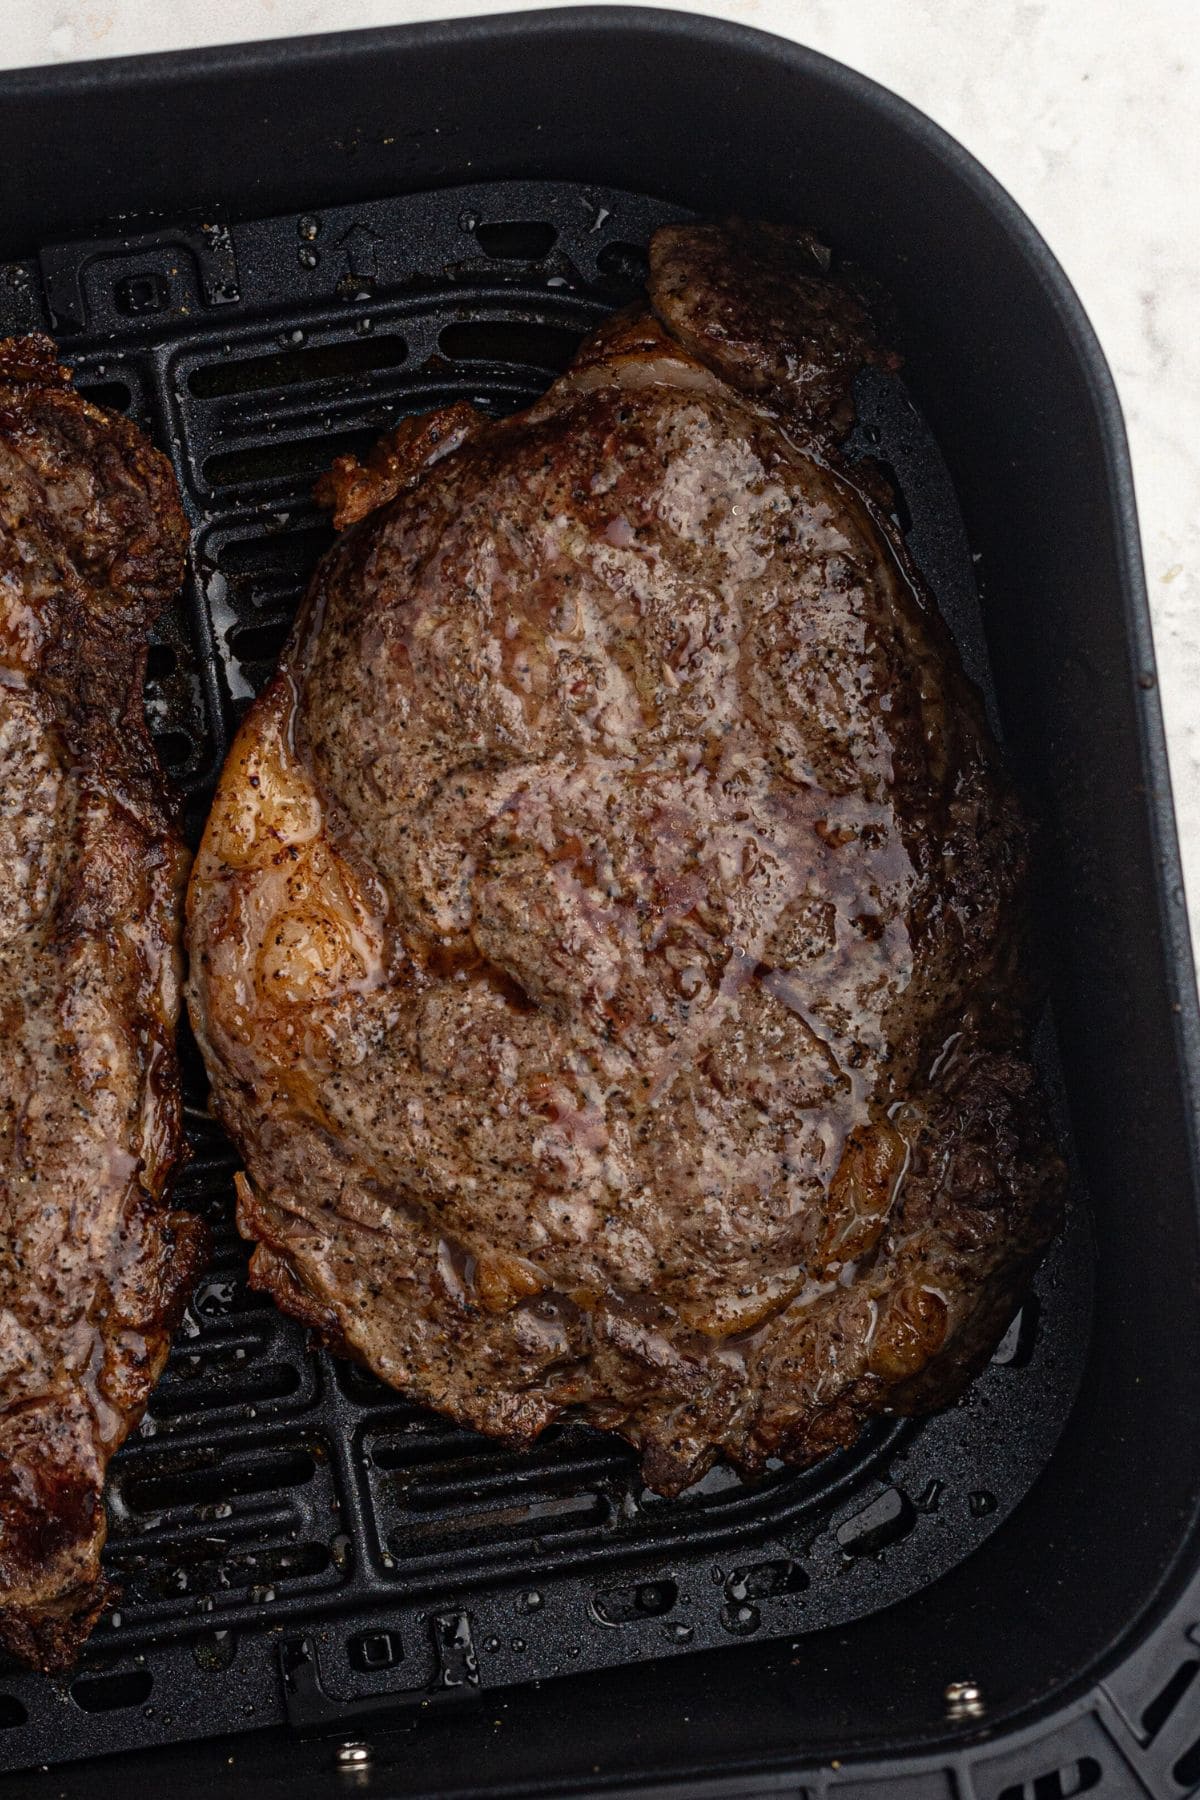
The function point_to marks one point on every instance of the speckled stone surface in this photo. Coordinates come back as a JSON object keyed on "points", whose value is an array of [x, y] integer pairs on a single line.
{"points": [[1086, 110]]}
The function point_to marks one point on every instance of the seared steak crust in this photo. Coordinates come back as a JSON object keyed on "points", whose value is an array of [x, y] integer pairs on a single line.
{"points": [[93, 1267], [606, 941]]}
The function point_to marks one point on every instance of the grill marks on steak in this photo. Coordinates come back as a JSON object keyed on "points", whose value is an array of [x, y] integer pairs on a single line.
{"points": [[606, 942], [93, 1266]]}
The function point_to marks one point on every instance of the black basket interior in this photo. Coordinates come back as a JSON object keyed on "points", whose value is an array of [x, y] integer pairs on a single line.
{"points": [[296, 1545]]}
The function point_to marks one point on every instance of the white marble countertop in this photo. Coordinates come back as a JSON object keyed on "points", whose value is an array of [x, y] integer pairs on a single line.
{"points": [[1086, 110]]}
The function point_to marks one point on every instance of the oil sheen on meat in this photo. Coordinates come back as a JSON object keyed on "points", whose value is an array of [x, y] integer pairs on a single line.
{"points": [[93, 1266], [607, 941]]}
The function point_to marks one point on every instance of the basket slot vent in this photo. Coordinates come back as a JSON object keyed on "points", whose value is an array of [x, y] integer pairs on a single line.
{"points": [[108, 1693], [535, 1516], [117, 396], [260, 643], [516, 240], [182, 1570], [1187, 1769], [531, 342], [366, 1388], [156, 1492], [290, 553], [289, 368], [301, 459], [504, 1475], [137, 1541], [1165, 1702], [277, 1381]]}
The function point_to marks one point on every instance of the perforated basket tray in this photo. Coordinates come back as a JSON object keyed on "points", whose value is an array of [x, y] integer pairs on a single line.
{"points": [[293, 1541]]}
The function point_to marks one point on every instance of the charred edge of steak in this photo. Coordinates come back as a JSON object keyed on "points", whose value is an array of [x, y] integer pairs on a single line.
{"points": [[99, 509]]}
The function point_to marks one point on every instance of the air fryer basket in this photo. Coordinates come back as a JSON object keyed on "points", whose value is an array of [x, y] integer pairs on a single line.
{"points": [[362, 1593]]}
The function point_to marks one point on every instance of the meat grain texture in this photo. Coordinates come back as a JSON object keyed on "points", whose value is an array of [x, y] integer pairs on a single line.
{"points": [[94, 1267], [606, 942]]}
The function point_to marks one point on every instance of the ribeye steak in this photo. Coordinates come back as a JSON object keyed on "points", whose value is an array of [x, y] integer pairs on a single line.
{"points": [[607, 941]]}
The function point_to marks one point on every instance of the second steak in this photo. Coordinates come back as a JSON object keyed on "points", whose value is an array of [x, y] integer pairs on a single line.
{"points": [[94, 1266]]}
